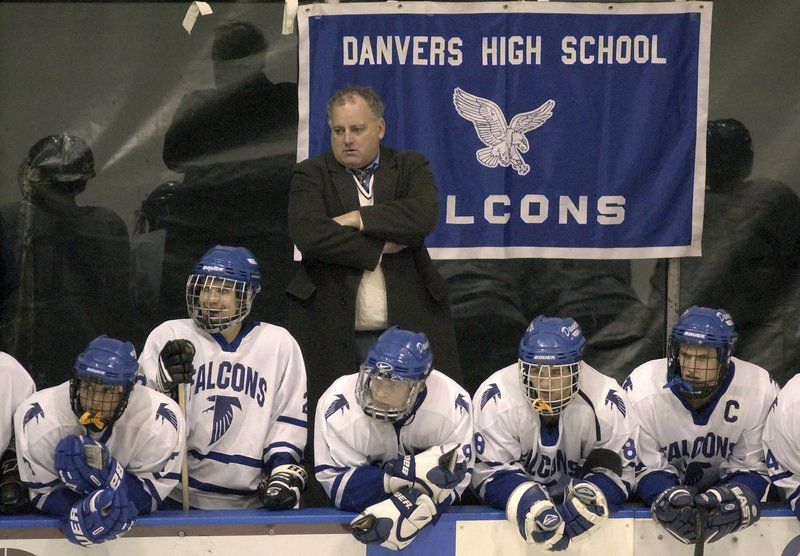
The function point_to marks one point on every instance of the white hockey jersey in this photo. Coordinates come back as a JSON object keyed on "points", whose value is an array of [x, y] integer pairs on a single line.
{"points": [[246, 409], [514, 445], [700, 449], [350, 447], [16, 385], [782, 442], [147, 440]]}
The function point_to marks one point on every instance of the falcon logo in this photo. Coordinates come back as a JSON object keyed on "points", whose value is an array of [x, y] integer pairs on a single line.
{"points": [[615, 400], [491, 392], [504, 142], [774, 404], [695, 472], [462, 404], [167, 415], [627, 385], [223, 415], [34, 411], [340, 402]]}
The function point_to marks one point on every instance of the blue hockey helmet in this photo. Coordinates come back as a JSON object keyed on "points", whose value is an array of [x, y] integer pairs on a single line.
{"points": [[550, 356], [104, 377], [393, 374], [222, 270], [692, 370]]}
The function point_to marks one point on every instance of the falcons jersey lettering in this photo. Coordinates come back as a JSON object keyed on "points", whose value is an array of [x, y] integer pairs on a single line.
{"points": [[679, 445], [147, 440], [350, 447], [781, 440], [16, 385], [246, 409], [515, 445]]}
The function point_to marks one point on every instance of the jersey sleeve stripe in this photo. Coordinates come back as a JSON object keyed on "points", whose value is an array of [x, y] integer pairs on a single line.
{"points": [[227, 458], [152, 490], [320, 468], [292, 421], [780, 476], [281, 445], [209, 487], [52, 483]]}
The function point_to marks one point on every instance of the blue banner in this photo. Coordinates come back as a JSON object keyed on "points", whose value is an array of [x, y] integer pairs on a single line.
{"points": [[553, 129]]}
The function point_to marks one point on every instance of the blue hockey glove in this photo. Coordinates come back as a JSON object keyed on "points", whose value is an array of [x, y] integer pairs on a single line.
{"points": [[101, 516], [282, 490], [530, 508], [727, 508], [396, 521], [435, 472], [674, 509], [84, 465], [583, 509]]}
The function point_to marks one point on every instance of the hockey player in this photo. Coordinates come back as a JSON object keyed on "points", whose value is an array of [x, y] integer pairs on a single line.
{"points": [[99, 450], [701, 413], [549, 431], [781, 440], [16, 385], [394, 441], [247, 401]]}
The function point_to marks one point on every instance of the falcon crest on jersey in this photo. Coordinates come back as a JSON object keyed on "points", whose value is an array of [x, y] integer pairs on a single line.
{"points": [[462, 404], [223, 415], [615, 400], [492, 392], [167, 414], [627, 384], [695, 472], [340, 402], [34, 411]]}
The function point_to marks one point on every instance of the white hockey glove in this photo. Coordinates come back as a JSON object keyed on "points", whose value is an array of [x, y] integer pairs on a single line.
{"points": [[175, 365], [435, 472], [584, 508], [530, 508], [396, 521], [282, 490]]}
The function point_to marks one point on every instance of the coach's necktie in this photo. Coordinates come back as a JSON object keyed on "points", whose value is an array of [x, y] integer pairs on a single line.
{"points": [[363, 177]]}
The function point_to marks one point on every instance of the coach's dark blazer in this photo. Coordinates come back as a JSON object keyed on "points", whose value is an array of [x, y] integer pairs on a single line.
{"points": [[323, 292]]}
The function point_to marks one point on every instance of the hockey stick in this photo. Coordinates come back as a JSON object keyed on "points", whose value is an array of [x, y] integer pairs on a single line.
{"points": [[699, 544], [185, 465]]}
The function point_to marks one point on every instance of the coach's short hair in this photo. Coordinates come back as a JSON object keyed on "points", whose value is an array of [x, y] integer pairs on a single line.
{"points": [[347, 93]]}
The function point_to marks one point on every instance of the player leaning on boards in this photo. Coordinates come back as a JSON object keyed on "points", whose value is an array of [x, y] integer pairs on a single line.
{"points": [[781, 441], [549, 430], [247, 396], [100, 449], [701, 414], [16, 385], [393, 441]]}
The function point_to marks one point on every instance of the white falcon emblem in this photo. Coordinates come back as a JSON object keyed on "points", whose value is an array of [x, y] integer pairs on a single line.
{"points": [[504, 143]]}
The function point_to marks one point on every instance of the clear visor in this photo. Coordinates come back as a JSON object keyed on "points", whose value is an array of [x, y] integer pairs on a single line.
{"points": [[384, 396], [216, 303], [549, 388]]}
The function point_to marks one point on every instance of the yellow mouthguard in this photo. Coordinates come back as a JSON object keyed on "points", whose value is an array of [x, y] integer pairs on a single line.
{"points": [[96, 420]]}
